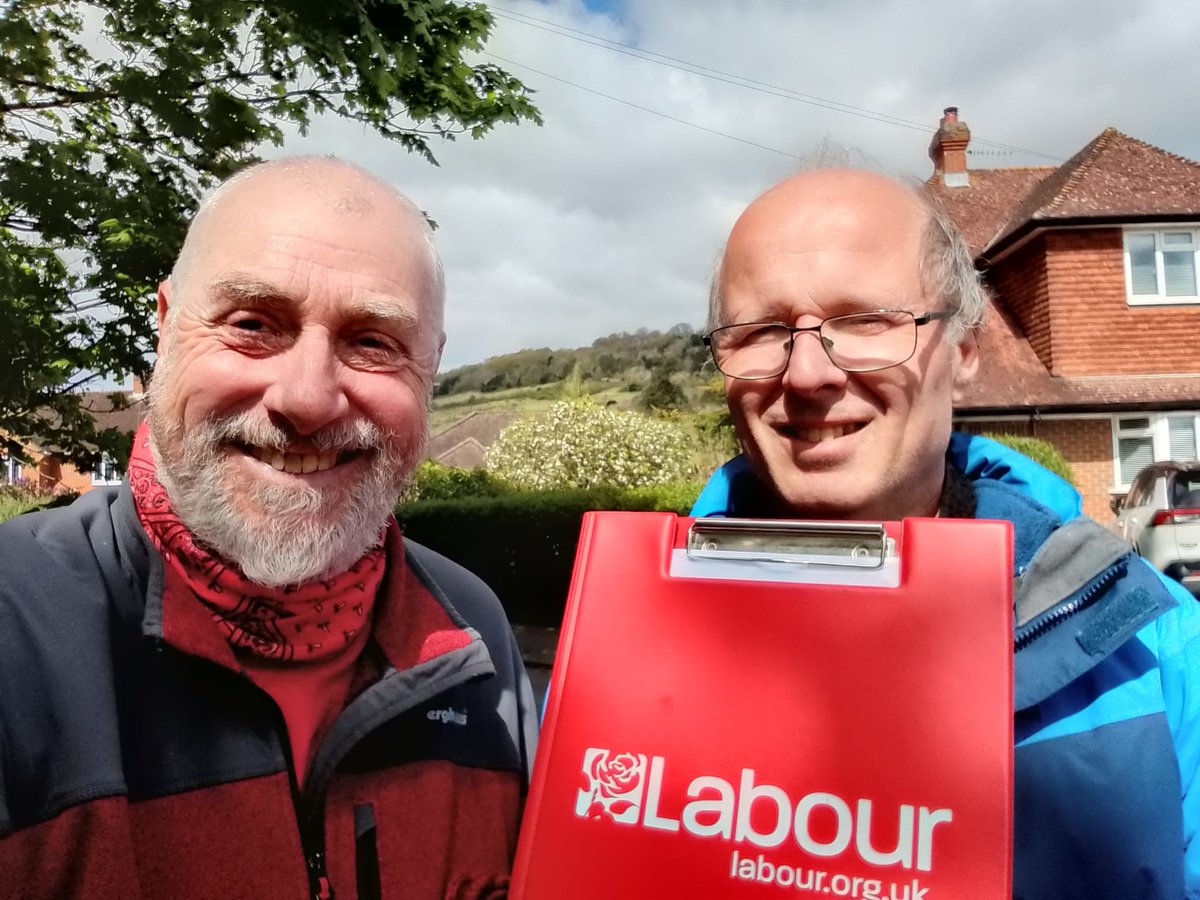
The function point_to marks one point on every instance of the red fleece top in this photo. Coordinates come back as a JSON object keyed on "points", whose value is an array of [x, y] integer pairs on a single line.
{"points": [[298, 643]]}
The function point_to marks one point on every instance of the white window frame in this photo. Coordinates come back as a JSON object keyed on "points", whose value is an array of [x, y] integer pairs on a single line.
{"points": [[1159, 432], [1161, 298], [106, 472], [11, 469]]}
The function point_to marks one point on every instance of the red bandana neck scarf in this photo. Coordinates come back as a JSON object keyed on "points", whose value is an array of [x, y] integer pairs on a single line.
{"points": [[308, 622]]}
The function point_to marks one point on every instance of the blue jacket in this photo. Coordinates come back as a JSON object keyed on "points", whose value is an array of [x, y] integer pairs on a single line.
{"points": [[1106, 692]]}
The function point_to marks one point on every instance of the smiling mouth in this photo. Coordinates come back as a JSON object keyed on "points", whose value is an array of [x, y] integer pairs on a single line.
{"points": [[824, 433], [300, 463]]}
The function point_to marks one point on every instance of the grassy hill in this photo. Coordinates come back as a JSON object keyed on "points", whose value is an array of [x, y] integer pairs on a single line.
{"points": [[620, 370], [616, 370]]}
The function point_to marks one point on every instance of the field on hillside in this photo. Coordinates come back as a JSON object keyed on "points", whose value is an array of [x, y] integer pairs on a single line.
{"points": [[702, 396], [701, 410]]}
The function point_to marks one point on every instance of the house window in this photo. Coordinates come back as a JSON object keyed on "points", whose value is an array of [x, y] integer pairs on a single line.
{"points": [[1141, 440], [1161, 265], [106, 472], [10, 470]]}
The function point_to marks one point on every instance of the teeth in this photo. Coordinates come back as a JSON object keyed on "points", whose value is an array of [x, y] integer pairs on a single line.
{"points": [[826, 433], [295, 463]]}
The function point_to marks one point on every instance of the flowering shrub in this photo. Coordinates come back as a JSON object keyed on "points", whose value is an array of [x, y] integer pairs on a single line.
{"points": [[579, 444]]}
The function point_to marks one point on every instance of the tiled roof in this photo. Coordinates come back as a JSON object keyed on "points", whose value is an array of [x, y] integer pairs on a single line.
{"points": [[981, 209], [99, 405], [481, 428], [1011, 378], [1115, 176]]}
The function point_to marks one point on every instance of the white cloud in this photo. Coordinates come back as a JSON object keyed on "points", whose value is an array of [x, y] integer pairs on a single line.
{"points": [[608, 218]]}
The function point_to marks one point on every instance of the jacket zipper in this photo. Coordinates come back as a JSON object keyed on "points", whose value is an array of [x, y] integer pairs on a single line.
{"points": [[310, 811], [312, 833], [1048, 620]]}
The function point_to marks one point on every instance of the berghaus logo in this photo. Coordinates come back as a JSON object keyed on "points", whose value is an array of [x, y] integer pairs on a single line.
{"points": [[627, 789]]}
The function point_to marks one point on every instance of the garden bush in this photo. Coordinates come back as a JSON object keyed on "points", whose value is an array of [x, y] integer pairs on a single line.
{"points": [[433, 481], [1040, 451], [578, 444], [24, 497]]}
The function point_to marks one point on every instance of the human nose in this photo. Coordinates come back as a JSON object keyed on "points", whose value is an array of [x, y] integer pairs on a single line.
{"points": [[810, 367], [307, 389]]}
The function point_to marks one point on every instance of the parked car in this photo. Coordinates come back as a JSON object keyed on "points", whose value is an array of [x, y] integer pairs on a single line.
{"points": [[1160, 516]]}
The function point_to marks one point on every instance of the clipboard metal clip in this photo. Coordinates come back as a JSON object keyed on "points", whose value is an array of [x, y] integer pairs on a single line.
{"points": [[856, 545]]}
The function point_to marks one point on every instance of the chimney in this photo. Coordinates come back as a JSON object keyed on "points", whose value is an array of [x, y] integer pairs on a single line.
{"points": [[948, 150]]}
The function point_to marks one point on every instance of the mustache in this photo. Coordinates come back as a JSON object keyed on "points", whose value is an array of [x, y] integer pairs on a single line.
{"points": [[257, 431]]}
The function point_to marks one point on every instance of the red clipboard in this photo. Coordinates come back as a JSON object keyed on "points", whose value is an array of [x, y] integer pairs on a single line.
{"points": [[759, 709]]}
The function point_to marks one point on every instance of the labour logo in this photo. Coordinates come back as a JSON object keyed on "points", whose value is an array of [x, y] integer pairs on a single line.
{"points": [[613, 786]]}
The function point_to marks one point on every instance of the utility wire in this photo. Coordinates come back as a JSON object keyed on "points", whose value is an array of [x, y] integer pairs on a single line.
{"points": [[655, 112], [672, 62]]}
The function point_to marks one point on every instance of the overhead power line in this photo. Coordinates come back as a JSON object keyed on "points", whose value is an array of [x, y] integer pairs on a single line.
{"points": [[732, 137], [662, 59]]}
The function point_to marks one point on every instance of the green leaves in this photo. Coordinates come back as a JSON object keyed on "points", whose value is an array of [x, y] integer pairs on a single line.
{"points": [[107, 141]]}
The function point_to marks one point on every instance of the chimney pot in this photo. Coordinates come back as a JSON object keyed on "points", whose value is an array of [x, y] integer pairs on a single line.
{"points": [[948, 150]]}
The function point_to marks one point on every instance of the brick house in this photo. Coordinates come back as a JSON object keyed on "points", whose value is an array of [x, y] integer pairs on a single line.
{"points": [[50, 473], [1092, 341]]}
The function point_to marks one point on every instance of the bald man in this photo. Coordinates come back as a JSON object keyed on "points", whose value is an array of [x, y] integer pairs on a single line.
{"points": [[841, 316], [232, 677]]}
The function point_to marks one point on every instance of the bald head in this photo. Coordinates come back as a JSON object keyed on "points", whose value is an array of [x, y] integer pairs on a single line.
{"points": [[840, 200], [320, 186]]}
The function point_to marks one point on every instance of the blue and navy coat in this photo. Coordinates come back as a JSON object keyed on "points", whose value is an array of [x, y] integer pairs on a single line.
{"points": [[1106, 695]]}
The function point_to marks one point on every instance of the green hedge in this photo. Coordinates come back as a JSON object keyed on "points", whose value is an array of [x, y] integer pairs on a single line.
{"points": [[1039, 450], [523, 544]]}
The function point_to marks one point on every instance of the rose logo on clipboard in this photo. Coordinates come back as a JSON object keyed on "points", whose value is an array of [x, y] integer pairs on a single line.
{"points": [[613, 786]]}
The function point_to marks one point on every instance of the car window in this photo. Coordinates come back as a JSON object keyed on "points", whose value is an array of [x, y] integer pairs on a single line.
{"points": [[1185, 492], [1138, 491]]}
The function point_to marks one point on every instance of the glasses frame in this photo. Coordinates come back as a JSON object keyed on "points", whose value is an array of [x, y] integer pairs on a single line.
{"points": [[918, 319]]}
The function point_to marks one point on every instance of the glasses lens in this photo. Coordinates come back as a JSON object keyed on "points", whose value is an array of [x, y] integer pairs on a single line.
{"points": [[864, 342], [751, 351]]}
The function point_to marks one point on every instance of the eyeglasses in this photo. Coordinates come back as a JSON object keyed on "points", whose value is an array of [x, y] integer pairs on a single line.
{"points": [[859, 342]]}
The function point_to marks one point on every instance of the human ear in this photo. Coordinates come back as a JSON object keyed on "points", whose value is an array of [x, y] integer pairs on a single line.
{"points": [[966, 364]]}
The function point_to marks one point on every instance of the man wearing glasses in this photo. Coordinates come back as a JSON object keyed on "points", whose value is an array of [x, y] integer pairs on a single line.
{"points": [[841, 316]]}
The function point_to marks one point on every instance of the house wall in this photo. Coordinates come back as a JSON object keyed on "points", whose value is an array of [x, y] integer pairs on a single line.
{"points": [[1086, 444], [1022, 282], [60, 477], [1095, 330]]}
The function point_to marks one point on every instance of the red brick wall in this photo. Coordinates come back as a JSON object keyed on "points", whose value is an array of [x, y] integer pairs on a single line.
{"points": [[1022, 281], [1094, 329], [1085, 443]]}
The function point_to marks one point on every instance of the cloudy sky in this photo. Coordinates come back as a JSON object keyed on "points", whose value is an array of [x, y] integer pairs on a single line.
{"points": [[664, 118]]}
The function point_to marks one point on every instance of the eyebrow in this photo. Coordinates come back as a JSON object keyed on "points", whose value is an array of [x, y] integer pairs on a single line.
{"points": [[231, 293]]}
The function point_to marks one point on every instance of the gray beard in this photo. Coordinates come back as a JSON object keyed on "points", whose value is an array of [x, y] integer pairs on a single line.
{"points": [[300, 534]]}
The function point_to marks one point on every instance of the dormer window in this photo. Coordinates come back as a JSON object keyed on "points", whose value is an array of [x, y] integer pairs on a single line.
{"points": [[1161, 264]]}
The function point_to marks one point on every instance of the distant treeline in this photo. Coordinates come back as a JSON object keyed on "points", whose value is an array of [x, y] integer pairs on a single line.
{"points": [[676, 350]]}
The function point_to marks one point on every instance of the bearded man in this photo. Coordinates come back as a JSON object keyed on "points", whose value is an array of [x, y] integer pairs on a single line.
{"points": [[232, 677]]}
